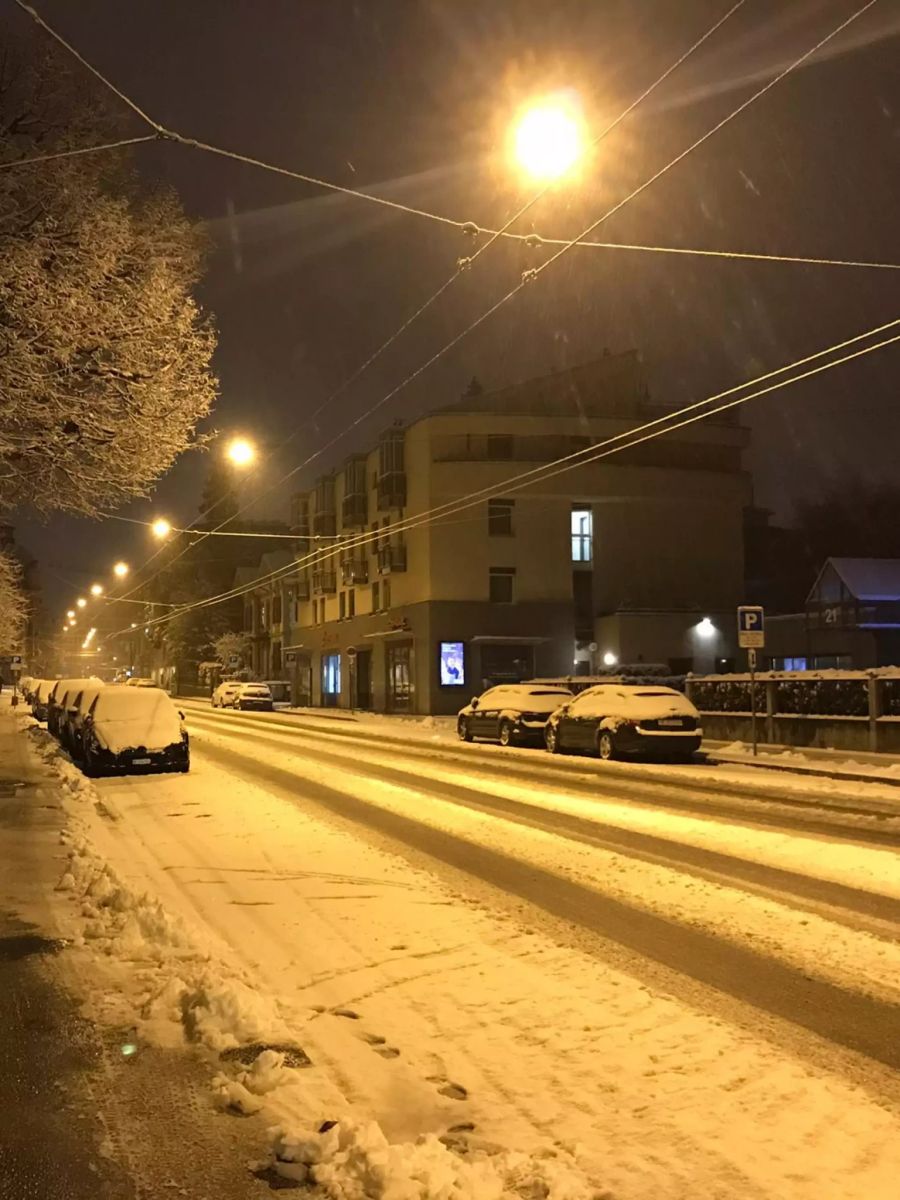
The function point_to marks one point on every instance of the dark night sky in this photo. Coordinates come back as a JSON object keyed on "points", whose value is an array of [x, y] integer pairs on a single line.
{"points": [[410, 97]]}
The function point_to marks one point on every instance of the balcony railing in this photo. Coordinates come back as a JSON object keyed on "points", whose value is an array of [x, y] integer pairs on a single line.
{"points": [[355, 570], [392, 490], [324, 582], [391, 559], [355, 509]]}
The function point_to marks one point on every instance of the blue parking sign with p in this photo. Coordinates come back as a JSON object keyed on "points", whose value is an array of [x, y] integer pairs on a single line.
{"points": [[751, 627]]}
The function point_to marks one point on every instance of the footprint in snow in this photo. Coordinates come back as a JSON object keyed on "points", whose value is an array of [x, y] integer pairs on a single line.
{"points": [[346, 1012], [453, 1091]]}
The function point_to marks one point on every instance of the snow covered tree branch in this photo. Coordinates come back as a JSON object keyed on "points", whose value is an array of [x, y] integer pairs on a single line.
{"points": [[104, 353], [13, 605]]}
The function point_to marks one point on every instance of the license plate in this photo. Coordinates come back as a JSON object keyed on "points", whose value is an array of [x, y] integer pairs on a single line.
{"points": [[671, 723], [141, 762]]}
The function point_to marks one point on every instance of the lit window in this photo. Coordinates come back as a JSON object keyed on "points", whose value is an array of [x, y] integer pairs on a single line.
{"points": [[582, 534]]}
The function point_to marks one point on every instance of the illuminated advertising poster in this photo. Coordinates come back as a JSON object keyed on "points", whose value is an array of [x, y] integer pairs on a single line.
{"points": [[453, 664]]}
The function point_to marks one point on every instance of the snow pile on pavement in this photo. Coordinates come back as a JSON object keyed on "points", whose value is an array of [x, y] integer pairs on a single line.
{"points": [[55, 757], [352, 1160], [888, 770]]}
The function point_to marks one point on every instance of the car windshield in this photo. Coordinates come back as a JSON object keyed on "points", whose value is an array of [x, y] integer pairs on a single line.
{"points": [[549, 692]]}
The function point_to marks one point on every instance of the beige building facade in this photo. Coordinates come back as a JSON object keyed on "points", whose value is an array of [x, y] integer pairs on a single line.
{"points": [[425, 570]]}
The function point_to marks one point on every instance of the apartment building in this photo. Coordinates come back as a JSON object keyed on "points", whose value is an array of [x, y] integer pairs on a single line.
{"points": [[412, 591]]}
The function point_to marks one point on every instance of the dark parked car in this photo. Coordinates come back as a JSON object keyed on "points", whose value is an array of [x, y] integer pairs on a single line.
{"points": [[132, 730], [511, 713], [621, 720], [253, 695]]}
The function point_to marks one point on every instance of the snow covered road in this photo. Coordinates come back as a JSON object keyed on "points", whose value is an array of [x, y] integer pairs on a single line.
{"points": [[658, 987]]}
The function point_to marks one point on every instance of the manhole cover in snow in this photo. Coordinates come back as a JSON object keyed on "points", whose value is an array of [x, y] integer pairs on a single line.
{"points": [[294, 1056]]}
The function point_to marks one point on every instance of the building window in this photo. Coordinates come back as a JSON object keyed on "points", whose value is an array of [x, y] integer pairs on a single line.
{"points": [[500, 518], [376, 597], [351, 603], [386, 594], [499, 446], [342, 606], [276, 609], [582, 535], [501, 585]]}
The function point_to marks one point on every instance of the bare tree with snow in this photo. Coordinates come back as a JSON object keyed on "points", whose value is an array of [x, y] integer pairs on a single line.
{"points": [[104, 353], [13, 604]]}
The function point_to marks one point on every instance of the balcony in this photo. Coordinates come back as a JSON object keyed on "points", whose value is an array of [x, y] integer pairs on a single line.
{"points": [[324, 524], [355, 510], [301, 589], [392, 490], [391, 559], [324, 582], [355, 570]]}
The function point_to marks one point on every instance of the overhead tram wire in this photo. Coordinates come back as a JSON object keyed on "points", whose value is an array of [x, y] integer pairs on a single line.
{"points": [[532, 275], [464, 264], [75, 152], [667, 423], [161, 132]]}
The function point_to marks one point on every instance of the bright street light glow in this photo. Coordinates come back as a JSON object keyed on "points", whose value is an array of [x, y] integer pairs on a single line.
{"points": [[81, 602], [705, 628], [71, 614], [548, 139], [241, 452], [161, 528], [609, 659], [96, 589], [120, 570]]}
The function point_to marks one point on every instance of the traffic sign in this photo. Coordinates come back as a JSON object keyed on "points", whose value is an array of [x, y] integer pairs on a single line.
{"points": [[751, 627]]}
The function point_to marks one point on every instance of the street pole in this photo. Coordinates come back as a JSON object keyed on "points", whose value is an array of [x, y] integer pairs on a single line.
{"points": [[751, 655]]}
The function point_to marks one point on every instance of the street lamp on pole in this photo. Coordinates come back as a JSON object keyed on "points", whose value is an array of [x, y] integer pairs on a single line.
{"points": [[548, 138], [120, 570], [240, 452]]}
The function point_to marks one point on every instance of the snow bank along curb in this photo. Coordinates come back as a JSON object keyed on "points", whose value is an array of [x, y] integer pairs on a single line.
{"points": [[794, 762], [191, 996]]}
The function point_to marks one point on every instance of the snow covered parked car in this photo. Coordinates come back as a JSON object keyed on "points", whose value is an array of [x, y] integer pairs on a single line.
{"points": [[40, 690], [57, 696], [511, 713], [77, 704], [253, 695], [140, 681], [134, 729], [223, 696], [620, 719]]}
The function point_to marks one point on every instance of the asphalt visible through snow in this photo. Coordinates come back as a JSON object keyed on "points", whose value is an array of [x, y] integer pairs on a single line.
{"points": [[850, 1019]]}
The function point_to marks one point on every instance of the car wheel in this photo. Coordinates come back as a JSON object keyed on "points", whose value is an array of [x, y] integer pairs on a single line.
{"points": [[507, 736], [551, 739], [185, 766], [606, 747], [90, 765], [462, 729]]}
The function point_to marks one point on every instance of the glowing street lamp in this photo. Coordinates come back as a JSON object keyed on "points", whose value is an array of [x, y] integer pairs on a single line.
{"points": [[96, 589], [548, 139], [81, 602], [161, 528], [120, 570], [240, 452], [71, 614]]}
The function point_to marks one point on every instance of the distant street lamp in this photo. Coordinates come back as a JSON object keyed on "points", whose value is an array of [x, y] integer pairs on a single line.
{"points": [[161, 528], [240, 452], [120, 570], [96, 589], [81, 602], [548, 139], [71, 614]]}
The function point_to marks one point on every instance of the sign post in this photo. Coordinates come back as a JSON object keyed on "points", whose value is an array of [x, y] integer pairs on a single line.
{"points": [[752, 637], [351, 676]]}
